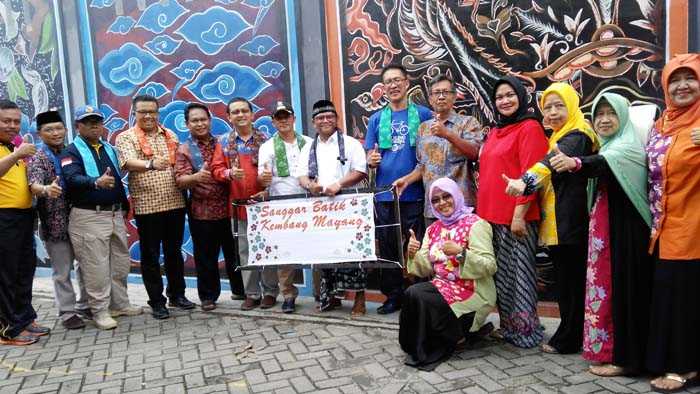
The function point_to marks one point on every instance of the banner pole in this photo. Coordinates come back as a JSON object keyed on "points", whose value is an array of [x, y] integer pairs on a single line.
{"points": [[237, 256], [399, 234]]}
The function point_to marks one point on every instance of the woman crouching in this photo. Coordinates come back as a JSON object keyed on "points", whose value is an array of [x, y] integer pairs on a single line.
{"points": [[457, 252]]}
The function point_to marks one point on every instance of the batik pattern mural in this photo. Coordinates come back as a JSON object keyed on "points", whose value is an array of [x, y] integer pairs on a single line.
{"points": [[595, 45], [180, 51], [30, 71]]}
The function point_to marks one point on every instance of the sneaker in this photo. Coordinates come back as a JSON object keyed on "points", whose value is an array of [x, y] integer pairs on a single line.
{"points": [[160, 312], [19, 340], [208, 305], [37, 330], [181, 302], [288, 305], [268, 302], [250, 304], [128, 311], [73, 323], [104, 321]]}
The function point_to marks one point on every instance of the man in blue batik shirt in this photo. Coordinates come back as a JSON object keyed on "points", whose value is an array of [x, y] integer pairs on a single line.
{"points": [[391, 149]]}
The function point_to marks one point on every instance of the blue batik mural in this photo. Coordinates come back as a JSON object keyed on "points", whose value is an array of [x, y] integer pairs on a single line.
{"points": [[181, 51]]}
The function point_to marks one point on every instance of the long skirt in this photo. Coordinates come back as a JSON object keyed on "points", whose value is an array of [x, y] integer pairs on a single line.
{"points": [[674, 343], [334, 283], [428, 328], [516, 285], [618, 281]]}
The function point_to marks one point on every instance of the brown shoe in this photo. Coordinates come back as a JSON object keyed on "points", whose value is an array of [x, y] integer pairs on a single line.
{"points": [[208, 305], [268, 302], [359, 308], [19, 340], [250, 304]]}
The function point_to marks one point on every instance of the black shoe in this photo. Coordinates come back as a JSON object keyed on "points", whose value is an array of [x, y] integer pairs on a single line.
{"points": [[388, 308], [73, 323], [86, 313], [288, 305], [181, 302], [160, 312], [208, 305]]}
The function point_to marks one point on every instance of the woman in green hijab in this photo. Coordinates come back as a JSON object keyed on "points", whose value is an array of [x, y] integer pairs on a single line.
{"points": [[619, 275]]}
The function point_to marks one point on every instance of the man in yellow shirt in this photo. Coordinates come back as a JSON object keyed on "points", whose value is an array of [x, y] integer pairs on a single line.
{"points": [[17, 253]]}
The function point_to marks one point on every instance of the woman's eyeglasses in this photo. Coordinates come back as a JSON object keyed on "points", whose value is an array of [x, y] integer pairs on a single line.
{"points": [[443, 197]]}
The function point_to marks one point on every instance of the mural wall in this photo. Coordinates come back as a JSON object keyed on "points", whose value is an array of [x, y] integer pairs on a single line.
{"points": [[594, 44], [180, 51], [30, 70]]}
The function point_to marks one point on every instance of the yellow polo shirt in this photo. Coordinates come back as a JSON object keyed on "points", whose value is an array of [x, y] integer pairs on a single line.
{"points": [[14, 187]]}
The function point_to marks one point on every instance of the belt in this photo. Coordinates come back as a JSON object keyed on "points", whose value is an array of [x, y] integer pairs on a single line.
{"points": [[101, 208]]}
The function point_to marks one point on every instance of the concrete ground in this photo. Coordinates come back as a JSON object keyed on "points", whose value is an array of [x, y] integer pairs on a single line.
{"points": [[266, 351]]}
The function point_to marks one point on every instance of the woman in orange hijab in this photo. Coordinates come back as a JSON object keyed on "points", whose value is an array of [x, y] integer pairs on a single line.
{"points": [[674, 178]]}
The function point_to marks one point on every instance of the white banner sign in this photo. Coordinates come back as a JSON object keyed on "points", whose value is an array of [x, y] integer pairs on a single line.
{"points": [[317, 230]]}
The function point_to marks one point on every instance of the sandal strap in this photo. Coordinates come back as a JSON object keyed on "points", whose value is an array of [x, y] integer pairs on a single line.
{"points": [[675, 377]]}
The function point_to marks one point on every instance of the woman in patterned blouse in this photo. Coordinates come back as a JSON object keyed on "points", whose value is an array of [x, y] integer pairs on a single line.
{"points": [[674, 184], [457, 252]]}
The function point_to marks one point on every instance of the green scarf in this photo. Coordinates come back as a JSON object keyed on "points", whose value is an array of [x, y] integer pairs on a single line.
{"points": [[281, 154], [625, 154], [385, 126]]}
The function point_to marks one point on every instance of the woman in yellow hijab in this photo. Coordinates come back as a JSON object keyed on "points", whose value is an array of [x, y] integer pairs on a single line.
{"points": [[564, 225]]}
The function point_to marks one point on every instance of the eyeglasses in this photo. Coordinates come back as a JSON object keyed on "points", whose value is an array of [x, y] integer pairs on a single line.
{"points": [[144, 112], [444, 197], [506, 96], [394, 81], [325, 118], [240, 111], [441, 93], [52, 129]]}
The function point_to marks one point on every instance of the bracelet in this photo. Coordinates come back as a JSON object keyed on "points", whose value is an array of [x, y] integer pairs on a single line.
{"points": [[578, 164], [44, 190]]}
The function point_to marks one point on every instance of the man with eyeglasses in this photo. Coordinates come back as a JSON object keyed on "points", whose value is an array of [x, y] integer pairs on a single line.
{"points": [[332, 161], [391, 149], [237, 164], [17, 253], [278, 162], [147, 152], [47, 184], [445, 145], [96, 223], [207, 208]]}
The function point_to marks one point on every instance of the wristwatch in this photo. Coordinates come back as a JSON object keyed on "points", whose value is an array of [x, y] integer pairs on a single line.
{"points": [[149, 166]]}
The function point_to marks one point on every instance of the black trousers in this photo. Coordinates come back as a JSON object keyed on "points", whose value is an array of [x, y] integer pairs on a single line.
{"points": [[208, 238], [391, 279], [166, 229], [570, 266], [17, 266]]}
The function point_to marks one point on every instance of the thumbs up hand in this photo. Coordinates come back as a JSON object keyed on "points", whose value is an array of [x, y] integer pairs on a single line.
{"points": [[204, 175], [266, 176], [106, 181], [54, 190], [514, 187], [26, 148], [695, 136], [450, 247], [374, 157], [413, 244], [560, 161], [438, 128]]}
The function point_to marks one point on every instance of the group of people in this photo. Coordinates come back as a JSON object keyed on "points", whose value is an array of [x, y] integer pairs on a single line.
{"points": [[614, 205], [593, 195]]}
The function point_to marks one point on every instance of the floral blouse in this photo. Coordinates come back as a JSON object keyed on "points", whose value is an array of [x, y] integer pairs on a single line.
{"points": [[656, 153]]}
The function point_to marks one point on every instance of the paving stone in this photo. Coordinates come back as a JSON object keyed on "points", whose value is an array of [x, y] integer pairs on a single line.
{"points": [[302, 384]]}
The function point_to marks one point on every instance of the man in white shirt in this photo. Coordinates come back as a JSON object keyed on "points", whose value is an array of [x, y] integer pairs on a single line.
{"points": [[278, 162], [331, 162]]}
